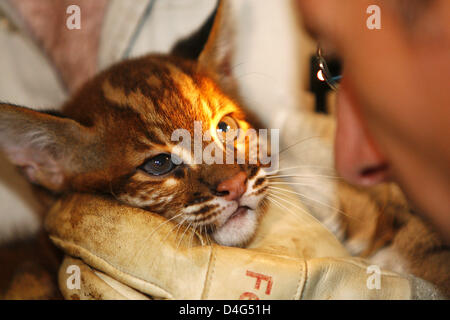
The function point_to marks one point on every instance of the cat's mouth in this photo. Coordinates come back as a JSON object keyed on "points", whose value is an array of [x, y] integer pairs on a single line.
{"points": [[237, 228], [240, 211]]}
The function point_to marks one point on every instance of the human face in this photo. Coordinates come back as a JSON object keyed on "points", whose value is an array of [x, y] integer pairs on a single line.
{"points": [[393, 104]]}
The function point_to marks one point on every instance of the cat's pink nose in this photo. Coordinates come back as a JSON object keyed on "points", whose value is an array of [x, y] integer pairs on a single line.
{"points": [[235, 186]]}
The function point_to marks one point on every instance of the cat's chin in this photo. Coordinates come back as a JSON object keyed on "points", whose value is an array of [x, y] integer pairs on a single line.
{"points": [[238, 229]]}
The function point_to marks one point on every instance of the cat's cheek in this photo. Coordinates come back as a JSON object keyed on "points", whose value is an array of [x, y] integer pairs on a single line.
{"points": [[238, 230]]}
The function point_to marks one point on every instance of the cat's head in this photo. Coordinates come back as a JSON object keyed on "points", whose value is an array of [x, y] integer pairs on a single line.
{"points": [[116, 136]]}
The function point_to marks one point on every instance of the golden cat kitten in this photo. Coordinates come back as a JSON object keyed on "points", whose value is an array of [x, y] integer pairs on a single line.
{"points": [[116, 136]]}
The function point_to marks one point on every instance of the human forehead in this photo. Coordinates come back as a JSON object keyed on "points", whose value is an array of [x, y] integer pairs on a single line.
{"points": [[325, 17]]}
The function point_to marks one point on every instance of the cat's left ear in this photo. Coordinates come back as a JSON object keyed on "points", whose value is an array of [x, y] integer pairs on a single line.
{"points": [[218, 54]]}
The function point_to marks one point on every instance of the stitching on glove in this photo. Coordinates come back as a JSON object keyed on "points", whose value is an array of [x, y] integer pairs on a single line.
{"points": [[81, 249], [301, 288], [209, 273]]}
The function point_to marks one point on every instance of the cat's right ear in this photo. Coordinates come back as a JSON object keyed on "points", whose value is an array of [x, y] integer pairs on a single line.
{"points": [[44, 146], [218, 53]]}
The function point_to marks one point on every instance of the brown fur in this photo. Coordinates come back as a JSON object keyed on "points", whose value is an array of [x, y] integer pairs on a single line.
{"points": [[29, 269], [380, 220]]}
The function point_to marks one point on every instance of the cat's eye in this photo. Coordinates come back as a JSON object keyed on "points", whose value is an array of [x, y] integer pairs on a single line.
{"points": [[158, 165], [227, 129]]}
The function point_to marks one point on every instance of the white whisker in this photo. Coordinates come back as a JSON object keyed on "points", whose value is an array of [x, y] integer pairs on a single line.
{"points": [[292, 204], [290, 183], [273, 198], [281, 190], [303, 176], [182, 236], [299, 143], [300, 167], [139, 252]]}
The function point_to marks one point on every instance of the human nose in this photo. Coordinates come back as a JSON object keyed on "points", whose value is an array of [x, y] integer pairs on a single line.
{"points": [[357, 158]]}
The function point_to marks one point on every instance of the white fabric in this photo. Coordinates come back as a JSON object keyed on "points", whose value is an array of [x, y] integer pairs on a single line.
{"points": [[26, 78], [134, 28]]}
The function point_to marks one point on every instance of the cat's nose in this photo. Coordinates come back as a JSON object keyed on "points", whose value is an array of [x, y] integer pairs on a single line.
{"points": [[235, 186]]}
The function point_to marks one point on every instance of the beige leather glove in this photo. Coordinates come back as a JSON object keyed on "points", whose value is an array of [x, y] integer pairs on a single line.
{"points": [[128, 253]]}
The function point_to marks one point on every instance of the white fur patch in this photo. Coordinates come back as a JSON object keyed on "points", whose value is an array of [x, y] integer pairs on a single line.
{"points": [[237, 231], [390, 259]]}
